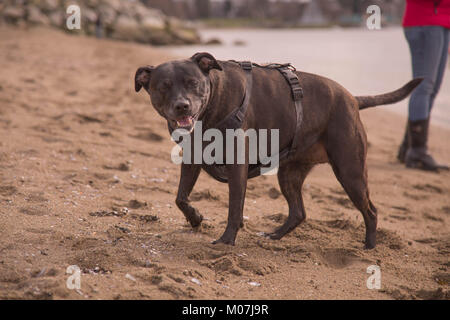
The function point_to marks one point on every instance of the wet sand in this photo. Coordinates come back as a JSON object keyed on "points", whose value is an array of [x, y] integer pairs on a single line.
{"points": [[86, 179]]}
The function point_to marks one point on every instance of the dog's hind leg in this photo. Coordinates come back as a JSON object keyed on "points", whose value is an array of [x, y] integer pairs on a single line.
{"points": [[290, 178], [347, 149]]}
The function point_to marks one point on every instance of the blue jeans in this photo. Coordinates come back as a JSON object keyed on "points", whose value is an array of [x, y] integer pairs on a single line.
{"points": [[429, 50]]}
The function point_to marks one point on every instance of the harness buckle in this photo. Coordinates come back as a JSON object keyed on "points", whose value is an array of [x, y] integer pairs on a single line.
{"points": [[294, 81], [246, 65], [297, 93], [240, 116]]}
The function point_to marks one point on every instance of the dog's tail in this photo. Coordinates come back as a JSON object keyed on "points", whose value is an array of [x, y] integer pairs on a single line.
{"points": [[388, 98]]}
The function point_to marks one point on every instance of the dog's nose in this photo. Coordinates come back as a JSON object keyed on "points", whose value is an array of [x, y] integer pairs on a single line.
{"points": [[181, 106]]}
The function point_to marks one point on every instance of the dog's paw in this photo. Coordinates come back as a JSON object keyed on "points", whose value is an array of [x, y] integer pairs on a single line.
{"points": [[369, 246], [273, 235], [224, 240], [196, 220]]}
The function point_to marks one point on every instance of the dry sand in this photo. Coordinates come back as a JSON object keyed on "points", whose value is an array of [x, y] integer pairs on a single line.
{"points": [[78, 145]]}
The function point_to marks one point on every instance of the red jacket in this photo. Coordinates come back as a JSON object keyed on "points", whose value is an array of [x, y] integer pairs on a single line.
{"points": [[427, 13]]}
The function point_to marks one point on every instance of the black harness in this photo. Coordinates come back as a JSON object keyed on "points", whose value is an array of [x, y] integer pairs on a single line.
{"points": [[235, 119]]}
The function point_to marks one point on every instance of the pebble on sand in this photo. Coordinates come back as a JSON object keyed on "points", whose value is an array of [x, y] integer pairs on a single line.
{"points": [[130, 277], [254, 284]]}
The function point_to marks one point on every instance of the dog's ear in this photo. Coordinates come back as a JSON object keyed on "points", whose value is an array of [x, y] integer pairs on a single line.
{"points": [[206, 61], [142, 77]]}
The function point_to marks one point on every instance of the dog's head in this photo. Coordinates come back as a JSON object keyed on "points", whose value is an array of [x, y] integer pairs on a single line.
{"points": [[179, 90]]}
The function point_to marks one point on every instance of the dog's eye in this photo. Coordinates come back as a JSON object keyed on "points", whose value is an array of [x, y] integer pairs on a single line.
{"points": [[192, 83], [165, 86]]}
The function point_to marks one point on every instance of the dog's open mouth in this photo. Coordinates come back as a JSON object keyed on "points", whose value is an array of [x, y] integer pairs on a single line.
{"points": [[186, 122]]}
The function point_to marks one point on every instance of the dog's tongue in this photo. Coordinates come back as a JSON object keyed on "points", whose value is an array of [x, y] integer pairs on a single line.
{"points": [[185, 121]]}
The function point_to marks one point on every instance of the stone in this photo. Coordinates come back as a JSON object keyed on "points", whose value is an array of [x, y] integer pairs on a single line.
{"points": [[153, 22], [89, 15], [120, 19], [125, 28], [107, 14], [13, 14], [57, 19], [48, 5], [35, 16], [185, 36]]}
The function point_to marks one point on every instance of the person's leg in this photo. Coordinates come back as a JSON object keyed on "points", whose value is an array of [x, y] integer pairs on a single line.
{"points": [[416, 41], [426, 45], [404, 145], [442, 66]]}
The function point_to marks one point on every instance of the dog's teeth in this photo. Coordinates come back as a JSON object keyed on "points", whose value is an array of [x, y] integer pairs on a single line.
{"points": [[188, 121]]}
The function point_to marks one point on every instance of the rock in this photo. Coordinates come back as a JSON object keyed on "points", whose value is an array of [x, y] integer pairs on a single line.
{"points": [[254, 284], [213, 41], [158, 37], [185, 36], [57, 19], [175, 23], [113, 4], [130, 277], [48, 5], [183, 32], [124, 166], [107, 14], [135, 204], [130, 9], [88, 15], [239, 43], [35, 16], [13, 14], [92, 3], [144, 12], [120, 19], [88, 21], [125, 28], [153, 22]]}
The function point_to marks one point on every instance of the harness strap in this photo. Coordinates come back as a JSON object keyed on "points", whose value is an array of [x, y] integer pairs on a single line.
{"points": [[297, 95], [236, 118]]}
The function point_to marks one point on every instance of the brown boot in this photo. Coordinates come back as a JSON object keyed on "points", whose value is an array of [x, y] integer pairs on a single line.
{"points": [[417, 155], [404, 146]]}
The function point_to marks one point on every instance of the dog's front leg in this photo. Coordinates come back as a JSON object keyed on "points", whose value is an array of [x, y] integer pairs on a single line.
{"points": [[188, 178], [237, 184]]}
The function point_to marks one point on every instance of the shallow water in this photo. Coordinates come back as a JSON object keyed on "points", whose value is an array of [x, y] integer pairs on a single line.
{"points": [[363, 61]]}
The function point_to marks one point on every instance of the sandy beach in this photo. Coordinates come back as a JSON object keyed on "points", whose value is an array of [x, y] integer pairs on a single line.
{"points": [[86, 179]]}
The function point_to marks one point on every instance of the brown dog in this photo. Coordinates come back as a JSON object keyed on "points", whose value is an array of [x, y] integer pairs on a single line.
{"points": [[202, 88]]}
